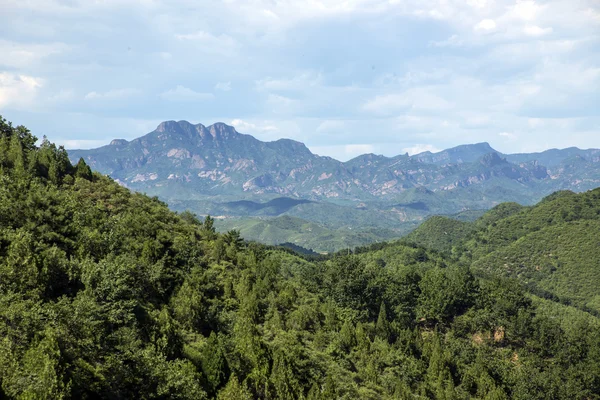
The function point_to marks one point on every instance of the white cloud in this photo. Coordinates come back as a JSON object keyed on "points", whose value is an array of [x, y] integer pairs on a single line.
{"points": [[420, 148], [388, 104], [223, 86], [185, 94], [203, 36], [594, 15], [508, 135], [477, 121], [279, 102], [529, 90], [18, 91], [525, 10], [63, 95], [534, 30], [112, 94], [478, 3], [23, 55], [301, 81], [165, 55], [423, 99], [80, 143], [525, 60], [249, 127], [358, 149], [486, 25], [331, 126], [343, 152], [452, 41], [535, 122], [207, 42]]}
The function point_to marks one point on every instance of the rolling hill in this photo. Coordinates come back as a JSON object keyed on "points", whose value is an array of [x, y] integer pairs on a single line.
{"points": [[552, 247]]}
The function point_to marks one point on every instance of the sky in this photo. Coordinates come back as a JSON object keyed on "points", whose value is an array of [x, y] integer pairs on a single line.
{"points": [[344, 77]]}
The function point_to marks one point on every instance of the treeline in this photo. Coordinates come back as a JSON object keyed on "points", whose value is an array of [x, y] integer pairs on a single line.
{"points": [[105, 293]]}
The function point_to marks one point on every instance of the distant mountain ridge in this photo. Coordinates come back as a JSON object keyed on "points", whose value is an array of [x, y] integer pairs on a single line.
{"points": [[219, 171], [218, 160]]}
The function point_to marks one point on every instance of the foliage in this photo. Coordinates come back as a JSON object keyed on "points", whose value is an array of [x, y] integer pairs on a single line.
{"points": [[106, 293]]}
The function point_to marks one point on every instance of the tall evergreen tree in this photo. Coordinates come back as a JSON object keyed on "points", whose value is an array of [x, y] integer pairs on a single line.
{"points": [[382, 328], [82, 170], [214, 363]]}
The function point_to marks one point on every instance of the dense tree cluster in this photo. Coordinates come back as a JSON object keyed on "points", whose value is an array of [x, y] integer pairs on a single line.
{"points": [[105, 293]]}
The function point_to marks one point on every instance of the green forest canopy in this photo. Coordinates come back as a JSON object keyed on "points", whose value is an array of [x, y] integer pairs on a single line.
{"points": [[105, 293]]}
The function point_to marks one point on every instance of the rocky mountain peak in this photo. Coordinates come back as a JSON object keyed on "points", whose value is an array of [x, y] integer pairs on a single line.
{"points": [[222, 131], [119, 142], [492, 159], [177, 127], [168, 126], [290, 146], [484, 146]]}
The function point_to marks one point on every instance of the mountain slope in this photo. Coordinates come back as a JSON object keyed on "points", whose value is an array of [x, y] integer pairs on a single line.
{"points": [[441, 233], [553, 247], [561, 260]]}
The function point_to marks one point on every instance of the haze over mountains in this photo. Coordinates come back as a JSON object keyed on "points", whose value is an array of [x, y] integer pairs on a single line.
{"points": [[215, 169]]}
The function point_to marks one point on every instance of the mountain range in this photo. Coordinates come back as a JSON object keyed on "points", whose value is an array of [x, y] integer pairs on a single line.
{"points": [[233, 176]]}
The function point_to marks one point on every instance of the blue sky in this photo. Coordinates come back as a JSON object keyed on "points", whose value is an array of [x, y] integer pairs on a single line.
{"points": [[344, 77]]}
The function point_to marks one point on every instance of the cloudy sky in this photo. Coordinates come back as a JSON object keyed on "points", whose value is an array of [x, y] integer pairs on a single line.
{"points": [[343, 76]]}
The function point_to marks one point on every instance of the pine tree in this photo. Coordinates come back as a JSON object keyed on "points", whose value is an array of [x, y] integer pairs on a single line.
{"points": [[330, 388], [436, 367], [4, 149], [331, 320], [82, 170], [402, 391], [314, 393], [234, 390], [53, 173], [362, 339], [214, 364], [16, 156], [283, 379], [382, 328], [34, 168], [347, 336], [496, 394], [208, 228]]}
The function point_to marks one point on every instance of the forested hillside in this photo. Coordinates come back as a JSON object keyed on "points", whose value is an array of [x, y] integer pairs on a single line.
{"points": [[553, 248], [105, 293]]}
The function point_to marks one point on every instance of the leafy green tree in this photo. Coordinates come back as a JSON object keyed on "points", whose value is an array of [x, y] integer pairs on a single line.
{"points": [[445, 293], [190, 218], [38, 374]]}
